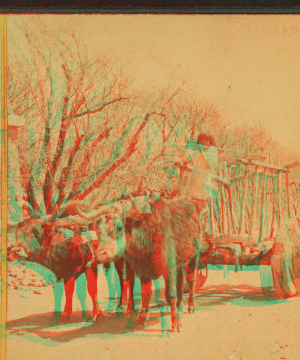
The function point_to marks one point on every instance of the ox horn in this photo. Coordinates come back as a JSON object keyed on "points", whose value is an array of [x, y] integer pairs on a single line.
{"points": [[103, 210]]}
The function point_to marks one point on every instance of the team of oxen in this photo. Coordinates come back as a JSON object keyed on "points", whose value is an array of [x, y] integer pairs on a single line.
{"points": [[154, 236]]}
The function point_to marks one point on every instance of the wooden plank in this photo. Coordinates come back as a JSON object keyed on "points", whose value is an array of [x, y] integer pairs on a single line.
{"points": [[229, 192], [292, 165], [276, 205], [272, 227], [235, 206], [279, 199], [217, 214], [223, 204], [252, 169], [267, 207], [253, 205], [264, 183], [243, 200], [227, 201], [296, 193], [262, 164], [288, 194], [231, 208], [248, 215]]}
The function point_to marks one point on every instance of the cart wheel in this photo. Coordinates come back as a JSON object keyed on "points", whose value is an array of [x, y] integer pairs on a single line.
{"points": [[282, 278], [282, 271], [202, 276]]}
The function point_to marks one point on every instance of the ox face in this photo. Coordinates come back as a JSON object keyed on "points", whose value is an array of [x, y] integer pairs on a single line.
{"points": [[24, 243], [26, 246], [111, 235], [16, 253]]}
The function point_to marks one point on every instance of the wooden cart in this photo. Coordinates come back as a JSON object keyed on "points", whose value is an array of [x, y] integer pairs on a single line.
{"points": [[255, 202]]}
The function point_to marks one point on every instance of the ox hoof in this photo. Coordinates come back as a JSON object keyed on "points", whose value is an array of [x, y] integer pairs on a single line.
{"points": [[179, 314], [109, 313], [52, 322], [165, 334], [176, 326], [99, 314], [139, 327], [191, 309], [86, 316], [140, 323], [130, 308], [130, 326], [120, 310], [66, 318], [164, 324], [54, 319]]}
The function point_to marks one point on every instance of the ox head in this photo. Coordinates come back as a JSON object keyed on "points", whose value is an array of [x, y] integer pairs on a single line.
{"points": [[112, 241], [110, 227], [25, 244]]}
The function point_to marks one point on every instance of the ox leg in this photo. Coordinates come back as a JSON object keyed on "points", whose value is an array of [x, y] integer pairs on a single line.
{"points": [[81, 284], [58, 291], [119, 264], [192, 284], [131, 281], [161, 304], [193, 266], [69, 291], [146, 286], [110, 277], [91, 275], [171, 295], [180, 290]]}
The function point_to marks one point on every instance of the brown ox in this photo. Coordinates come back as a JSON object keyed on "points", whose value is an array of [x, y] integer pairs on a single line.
{"points": [[158, 243]]}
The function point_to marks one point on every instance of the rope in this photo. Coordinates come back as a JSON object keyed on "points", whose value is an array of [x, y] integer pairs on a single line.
{"points": [[125, 212]]}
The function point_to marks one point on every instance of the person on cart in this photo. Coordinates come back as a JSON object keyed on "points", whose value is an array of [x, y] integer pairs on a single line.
{"points": [[197, 171], [197, 185]]}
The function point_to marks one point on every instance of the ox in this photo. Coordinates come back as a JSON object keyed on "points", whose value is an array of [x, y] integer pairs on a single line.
{"points": [[66, 254], [160, 242]]}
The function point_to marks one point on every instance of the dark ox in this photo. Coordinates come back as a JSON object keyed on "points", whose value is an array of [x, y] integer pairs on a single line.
{"points": [[63, 252], [60, 248], [159, 243]]}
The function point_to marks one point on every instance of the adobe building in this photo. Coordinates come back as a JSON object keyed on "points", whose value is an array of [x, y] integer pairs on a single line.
{"points": [[15, 188]]}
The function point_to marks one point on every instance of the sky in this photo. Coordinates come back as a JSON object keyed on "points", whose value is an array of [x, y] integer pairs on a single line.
{"points": [[247, 65]]}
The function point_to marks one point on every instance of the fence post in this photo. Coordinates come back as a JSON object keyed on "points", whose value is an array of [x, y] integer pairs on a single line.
{"points": [[264, 184], [287, 193], [253, 203], [243, 200]]}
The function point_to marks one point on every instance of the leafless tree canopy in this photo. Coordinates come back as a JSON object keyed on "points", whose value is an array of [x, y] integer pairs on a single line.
{"points": [[88, 136]]}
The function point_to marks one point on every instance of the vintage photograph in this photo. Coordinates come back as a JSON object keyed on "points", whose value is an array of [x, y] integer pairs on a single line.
{"points": [[150, 187]]}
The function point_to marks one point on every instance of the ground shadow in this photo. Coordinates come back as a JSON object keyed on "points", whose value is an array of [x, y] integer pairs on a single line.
{"points": [[40, 326], [37, 327], [209, 297]]}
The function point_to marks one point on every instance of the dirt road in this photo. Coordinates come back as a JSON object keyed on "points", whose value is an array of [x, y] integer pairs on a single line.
{"points": [[233, 320]]}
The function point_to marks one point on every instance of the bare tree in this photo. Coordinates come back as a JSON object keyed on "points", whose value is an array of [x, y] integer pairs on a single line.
{"points": [[87, 137], [82, 125]]}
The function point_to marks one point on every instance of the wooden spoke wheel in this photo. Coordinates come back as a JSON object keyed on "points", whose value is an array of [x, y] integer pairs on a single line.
{"points": [[282, 280]]}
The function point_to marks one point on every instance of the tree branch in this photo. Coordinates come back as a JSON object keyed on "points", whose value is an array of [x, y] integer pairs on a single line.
{"points": [[94, 109], [77, 194]]}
